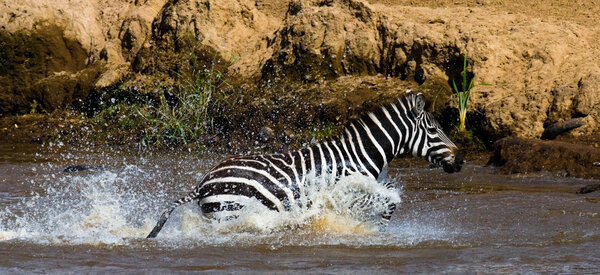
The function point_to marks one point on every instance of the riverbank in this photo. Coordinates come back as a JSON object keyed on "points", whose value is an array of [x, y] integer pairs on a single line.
{"points": [[244, 76]]}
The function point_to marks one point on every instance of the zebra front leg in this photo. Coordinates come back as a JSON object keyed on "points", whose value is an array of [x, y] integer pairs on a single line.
{"points": [[387, 215]]}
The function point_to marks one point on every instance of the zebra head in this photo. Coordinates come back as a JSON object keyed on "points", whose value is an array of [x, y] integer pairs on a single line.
{"points": [[429, 140]]}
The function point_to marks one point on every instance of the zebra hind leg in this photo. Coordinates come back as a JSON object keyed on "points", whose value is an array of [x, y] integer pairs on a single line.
{"points": [[167, 212], [161, 222], [365, 201]]}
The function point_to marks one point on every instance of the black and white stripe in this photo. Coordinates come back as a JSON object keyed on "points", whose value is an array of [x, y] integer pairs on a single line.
{"points": [[366, 146]]}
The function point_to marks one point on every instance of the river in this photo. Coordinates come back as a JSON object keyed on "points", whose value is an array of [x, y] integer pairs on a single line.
{"points": [[475, 221]]}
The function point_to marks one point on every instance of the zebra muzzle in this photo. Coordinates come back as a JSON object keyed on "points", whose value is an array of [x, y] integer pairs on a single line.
{"points": [[455, 165]]}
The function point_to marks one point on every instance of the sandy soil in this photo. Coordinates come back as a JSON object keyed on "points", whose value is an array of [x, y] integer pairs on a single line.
{"points": [[585, 13]]}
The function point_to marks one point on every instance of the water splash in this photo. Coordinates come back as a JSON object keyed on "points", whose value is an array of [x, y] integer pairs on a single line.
{"points": [[93, 208], [354, 204], [120, 206]]}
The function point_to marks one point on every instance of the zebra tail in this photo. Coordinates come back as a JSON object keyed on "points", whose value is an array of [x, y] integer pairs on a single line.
{"points": [[167, 212]]}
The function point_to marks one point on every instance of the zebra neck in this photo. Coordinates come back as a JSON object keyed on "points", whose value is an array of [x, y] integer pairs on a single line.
{"points": [[368, 144], [368, 152]]}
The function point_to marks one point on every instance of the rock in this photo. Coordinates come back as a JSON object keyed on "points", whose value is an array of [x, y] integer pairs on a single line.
{"points": [[326, 40], [552, 131], [44, 68], [517, 155], [136, 27], [589, 188], [266, 134], [52, 48], [233, 28]]}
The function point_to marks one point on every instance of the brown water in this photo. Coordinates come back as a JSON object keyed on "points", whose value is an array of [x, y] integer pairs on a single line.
{"points": [[475, 221]]}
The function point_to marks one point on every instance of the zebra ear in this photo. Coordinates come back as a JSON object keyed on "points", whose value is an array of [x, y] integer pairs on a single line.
{"points": [[420, 103]]}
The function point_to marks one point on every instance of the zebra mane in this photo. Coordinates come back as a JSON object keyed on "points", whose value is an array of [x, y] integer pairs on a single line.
{"points": [[408, 95]]}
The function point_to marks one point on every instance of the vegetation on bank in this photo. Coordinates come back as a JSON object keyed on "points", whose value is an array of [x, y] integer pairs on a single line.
{"points": [[463, 95], [176, 116], [200, 109], [466, 138], [184, 114]]}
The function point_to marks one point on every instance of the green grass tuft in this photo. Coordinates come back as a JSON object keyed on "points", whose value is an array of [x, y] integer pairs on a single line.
{"points": [[325, 131], [185, 113], [467, 140], [180, 115]]}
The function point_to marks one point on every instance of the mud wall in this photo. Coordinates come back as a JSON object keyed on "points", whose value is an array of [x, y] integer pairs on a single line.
{"points": [[541, 70]]}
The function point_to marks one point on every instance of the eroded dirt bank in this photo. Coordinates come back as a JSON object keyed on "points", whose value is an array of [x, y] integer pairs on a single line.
{"points": [[296, 71], [516, 155]]}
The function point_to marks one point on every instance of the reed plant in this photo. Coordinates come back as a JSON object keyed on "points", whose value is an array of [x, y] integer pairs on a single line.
{"points": [[463, 95]]}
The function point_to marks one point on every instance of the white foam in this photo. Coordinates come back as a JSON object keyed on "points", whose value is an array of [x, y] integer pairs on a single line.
{"points": [[90, 209], [121, 205], [334, 209]]}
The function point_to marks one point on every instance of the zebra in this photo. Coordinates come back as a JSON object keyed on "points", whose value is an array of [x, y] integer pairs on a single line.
{"points": [[365, 146]]}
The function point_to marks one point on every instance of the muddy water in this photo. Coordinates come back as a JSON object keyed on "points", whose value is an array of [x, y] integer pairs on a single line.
{"points": [[96, 221]]}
